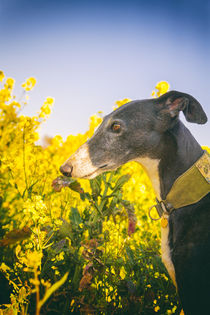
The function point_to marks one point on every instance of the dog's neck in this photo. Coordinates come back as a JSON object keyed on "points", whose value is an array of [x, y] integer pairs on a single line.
{"points": [[177, 152]]}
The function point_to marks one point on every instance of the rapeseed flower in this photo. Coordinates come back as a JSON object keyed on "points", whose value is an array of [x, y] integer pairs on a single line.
{"points": [[2, 76], [162, 87], [107, 267], [29, 84]]}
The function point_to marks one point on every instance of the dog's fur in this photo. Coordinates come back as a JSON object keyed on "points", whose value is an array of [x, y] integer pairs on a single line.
{"points": [[150, 132]]}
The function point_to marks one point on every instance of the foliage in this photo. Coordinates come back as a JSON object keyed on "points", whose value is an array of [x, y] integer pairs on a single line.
{"points": [[88, 248]]}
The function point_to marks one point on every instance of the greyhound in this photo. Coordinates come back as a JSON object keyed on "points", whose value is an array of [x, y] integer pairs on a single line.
{"points": [[151, 133]]}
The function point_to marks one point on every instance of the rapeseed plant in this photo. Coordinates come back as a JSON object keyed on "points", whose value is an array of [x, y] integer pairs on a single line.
{"points": [[88, 248]]}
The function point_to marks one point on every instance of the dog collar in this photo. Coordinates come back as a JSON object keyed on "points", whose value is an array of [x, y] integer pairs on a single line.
{"points": [[187, 189]]}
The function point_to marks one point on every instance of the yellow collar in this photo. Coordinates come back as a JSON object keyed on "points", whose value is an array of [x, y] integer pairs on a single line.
{"points": [[188, 188]]}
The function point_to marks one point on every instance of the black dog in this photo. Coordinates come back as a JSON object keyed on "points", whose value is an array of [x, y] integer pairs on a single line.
{"points": [[150, 132]]}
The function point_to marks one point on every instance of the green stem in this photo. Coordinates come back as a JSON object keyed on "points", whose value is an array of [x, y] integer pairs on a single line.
{"points": [[37, 292], [24, 159], [104, 197]]}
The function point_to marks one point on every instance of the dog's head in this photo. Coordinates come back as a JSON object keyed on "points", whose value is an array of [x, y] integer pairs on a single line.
{"points": [[132, 131]]}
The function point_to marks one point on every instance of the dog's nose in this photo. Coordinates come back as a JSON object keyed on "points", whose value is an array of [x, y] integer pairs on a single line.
{"points": [[66, 169]]}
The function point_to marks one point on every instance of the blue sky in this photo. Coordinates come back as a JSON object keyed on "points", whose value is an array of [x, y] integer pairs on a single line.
{"points": [[88, 54]]}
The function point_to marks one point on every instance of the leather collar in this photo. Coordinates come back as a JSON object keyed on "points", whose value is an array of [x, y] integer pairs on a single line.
{"points": [[187, 189]]}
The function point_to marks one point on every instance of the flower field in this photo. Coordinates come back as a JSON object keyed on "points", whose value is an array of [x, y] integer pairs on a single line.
{"points": [[81, 247]]}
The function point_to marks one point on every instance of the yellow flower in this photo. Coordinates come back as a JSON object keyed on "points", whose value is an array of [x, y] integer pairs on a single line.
{"points": [[27, 170], [54, 267], [157, 308], [5, 204], [162, 87], [122, 272], [122, 102], [29, 84], [1, 75], [10, 82], [46, 107], [4, 267], [50, 100], [46, 283], [60, 256], [109, 299], [34, 258]]}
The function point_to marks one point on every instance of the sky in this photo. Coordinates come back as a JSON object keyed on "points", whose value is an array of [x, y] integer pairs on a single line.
{"points": [[88, 54]]}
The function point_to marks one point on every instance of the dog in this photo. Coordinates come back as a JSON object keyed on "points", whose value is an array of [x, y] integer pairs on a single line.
{"points": [[151, 133]]}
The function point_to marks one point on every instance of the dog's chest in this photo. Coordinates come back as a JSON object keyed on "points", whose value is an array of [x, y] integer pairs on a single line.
{"points": [[166, 253]]}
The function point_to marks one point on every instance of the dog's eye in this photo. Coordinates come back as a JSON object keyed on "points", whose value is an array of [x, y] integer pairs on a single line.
{"points": [[116, 127]]}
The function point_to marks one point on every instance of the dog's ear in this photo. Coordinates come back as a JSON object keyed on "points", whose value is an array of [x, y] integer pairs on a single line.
{"points": [[171, 103]]}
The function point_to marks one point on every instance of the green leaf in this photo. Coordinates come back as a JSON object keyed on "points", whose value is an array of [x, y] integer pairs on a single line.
{"points": [[121, 181], [65, 229], [76, 187], [130, 255], [52, 289], [75, 216], [96, 186], [113, 204]]}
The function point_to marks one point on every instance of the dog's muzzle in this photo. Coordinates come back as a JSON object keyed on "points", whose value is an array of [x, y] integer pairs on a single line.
{"points": [[79, 164]]}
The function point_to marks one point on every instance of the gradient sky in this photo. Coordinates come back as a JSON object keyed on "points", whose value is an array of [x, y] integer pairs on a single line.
{"points": [[88, 54]]}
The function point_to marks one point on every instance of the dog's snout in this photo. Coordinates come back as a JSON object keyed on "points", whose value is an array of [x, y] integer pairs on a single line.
{"points": [[66, 169]]}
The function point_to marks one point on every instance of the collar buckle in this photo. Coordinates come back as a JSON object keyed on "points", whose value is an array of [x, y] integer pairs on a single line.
{"points": [[162, 207]]}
